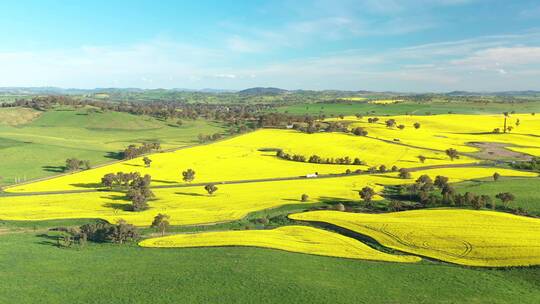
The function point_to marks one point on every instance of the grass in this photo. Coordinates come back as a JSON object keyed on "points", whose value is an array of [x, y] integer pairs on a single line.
{"points": [[403, 108], [107, 273], [466, 237], [84, 134], [524, 189]]}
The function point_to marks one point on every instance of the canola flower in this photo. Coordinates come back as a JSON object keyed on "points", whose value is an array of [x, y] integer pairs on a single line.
{"points": [[385, 101], [440, 132], [193, 205], [247, 157], [466, 237], [300, 239]]}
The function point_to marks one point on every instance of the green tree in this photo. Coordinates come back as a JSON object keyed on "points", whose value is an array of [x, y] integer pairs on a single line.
{"points": [[505, 198], [452, 153], [366, 194], [210, 188], [161, 222], [147, 161], [188, 175]]}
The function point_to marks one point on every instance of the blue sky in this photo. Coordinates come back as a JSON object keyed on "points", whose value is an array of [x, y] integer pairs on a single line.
{"points": [[408, 45]]}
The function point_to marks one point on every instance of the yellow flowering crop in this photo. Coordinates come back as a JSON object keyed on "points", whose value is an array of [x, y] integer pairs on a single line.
{"points": [[385, 101], [241, 158], [441, 132], [467, 237], [192, 205], [290, 238]]}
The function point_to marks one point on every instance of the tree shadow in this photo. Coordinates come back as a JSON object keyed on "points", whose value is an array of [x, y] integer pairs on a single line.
{"points": [[115, 155], [114, 197], [87, 185], [49, 240], [189, 193], [292, 200], [338, 200], [56, 169], [118, 206], [164, 181]]}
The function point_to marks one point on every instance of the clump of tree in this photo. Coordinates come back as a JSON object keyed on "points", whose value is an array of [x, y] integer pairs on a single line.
{"points": [[161, 223], [147, 162], [211, 137], [422, 191], [119, 179], [496, 176], [133, 151], [452, 153], [366, 194], [139, 193], [304, 197], [74, 164], [505, 198], [210, 188], [416, 125], [422, 158], [533, 164], [359, 131], [137, 186], [188, 176], [373, 119], [316, 159], [390, 123], [101, 232], [404, 173]]}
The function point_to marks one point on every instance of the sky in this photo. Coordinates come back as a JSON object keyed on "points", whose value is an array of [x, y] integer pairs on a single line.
{"points": [[382, 45]]}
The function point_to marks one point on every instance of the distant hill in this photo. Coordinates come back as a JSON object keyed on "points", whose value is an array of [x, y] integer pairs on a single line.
{"points": [[503, 93], [263, 91]]}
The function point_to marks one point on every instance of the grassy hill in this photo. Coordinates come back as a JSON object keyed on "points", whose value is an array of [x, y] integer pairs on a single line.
{"points": [[39, 145]]}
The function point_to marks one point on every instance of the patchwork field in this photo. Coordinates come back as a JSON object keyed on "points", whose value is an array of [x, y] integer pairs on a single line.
{"points": [[192, 205], [259, 197], [474, 238], [289, 238]]}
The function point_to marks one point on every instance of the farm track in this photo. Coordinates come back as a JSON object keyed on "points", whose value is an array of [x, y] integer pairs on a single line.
{"points": [[245, 181]]}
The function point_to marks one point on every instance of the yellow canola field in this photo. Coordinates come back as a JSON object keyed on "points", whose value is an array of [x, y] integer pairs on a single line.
{"points": [[241, 158], [441, 132], [385, 101], [354, 98], [192, 205], [527, 150], [289, 238], [467, 237]]}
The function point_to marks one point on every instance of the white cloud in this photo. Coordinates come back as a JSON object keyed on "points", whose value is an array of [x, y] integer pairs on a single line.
{"points": [[484, 63]]}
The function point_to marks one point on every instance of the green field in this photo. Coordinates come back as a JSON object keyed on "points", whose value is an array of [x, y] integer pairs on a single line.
{"points": [[107, 273], [524, 189], [39, 148], [420, 108]]}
